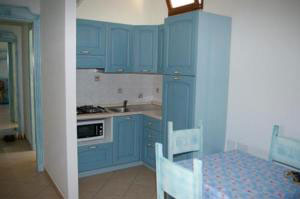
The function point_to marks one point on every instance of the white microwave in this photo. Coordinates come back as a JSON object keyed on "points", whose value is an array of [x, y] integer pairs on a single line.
{"points": [[90, 130]]}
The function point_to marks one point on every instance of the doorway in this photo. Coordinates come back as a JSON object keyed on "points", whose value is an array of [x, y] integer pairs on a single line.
{"points": [[32, 114]]}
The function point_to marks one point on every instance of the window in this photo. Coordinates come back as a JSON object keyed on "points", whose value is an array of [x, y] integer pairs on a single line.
{"points": [[181, 6]]}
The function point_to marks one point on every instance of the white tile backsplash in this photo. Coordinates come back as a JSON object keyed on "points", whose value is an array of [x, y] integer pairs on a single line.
{"points": [[104, 91]]}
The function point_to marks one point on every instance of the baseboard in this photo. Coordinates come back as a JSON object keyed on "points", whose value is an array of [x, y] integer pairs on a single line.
{"points": [[54, 185], [109, 169]]}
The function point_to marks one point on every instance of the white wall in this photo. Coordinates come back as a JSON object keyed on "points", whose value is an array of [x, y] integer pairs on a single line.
{"points": [[128, 12], [58, 55], [26, 85], [105, 91]]}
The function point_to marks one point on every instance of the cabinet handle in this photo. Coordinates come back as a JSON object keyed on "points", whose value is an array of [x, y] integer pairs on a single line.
{"points": [[120, 70], [176, 78], [176, 72], [92, 147], [85, 52], [128, 118], [150, 145], [146, 70]]}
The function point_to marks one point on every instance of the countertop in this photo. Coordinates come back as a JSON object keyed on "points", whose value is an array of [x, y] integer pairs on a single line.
{"points": [[151, 113]]}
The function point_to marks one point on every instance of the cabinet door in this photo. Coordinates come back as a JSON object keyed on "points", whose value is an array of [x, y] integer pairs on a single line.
{"points": [[94, 157], [180, 44], [91, 44], [160, 50], [145, 49], [119, 47], [127, 132], [178, 103]]}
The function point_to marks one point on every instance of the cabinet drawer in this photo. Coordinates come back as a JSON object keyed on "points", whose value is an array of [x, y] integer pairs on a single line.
{"points": [[87, 61], [152, 123], [94, 157]]}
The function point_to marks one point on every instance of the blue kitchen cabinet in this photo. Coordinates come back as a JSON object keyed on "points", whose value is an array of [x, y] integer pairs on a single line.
{"points": [[145, 49], [195, 85], [160, 49], [181, 44], [119, 47], [94, 157], [127, 139], [179, 101], [91, 44], [152, 133]]}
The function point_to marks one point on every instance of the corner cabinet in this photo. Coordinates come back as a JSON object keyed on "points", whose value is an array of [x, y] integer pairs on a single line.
{"points": [[180, 44], [91, 44], [119, 47], [145, 49], [127, 139], [152, 134]]}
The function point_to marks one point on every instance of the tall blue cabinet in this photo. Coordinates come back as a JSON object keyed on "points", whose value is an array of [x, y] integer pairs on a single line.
{"points": [[196, 72]]}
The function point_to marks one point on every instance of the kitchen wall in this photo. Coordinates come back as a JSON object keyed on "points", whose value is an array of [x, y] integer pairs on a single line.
{"points": [[108, 89], [58, 60]]}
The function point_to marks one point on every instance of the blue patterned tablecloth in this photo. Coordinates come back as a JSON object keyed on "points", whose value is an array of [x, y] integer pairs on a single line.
{"points": [[236, 174]]}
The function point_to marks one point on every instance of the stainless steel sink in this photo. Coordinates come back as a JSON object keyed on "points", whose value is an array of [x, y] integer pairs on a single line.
{"points": [[134, 108], [118, 109]]}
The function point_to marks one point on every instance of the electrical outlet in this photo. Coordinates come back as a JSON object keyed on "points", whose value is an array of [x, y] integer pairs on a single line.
{"points": [[140, 96], [242, 147], [120, 91]]}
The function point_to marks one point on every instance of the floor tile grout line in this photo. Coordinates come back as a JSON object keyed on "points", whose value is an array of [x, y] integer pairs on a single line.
{"points": [[101, 187], [130, 185]]}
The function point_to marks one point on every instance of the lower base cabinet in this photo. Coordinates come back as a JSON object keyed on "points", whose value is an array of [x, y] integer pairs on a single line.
{"points": [[151, 135], [94, 157], [127, 137], [134, 139]]}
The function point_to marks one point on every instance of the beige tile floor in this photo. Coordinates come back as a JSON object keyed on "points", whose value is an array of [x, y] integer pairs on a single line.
{"points": [[19, 179], [5, 122]]}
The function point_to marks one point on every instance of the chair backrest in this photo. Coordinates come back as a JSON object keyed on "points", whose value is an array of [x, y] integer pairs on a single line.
{"points": [[285, 150], [175, 180], [183, 141]]}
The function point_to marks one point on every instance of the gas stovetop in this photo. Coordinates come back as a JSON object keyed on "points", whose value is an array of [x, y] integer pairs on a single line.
{"points": [[90, 109]]}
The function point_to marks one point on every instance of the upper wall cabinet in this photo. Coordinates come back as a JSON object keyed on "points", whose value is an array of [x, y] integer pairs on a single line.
{"points": [[145, 49], [180, 44], [160, 49], [91, 44], [119, 46]]}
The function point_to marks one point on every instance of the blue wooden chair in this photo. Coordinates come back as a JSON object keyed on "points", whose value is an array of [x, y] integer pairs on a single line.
{"points": [[184, 141], [284, 150], [175, 180]]}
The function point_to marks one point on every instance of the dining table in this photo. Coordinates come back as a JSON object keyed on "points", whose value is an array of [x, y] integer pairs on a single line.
{"points": [[239, 175]]}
